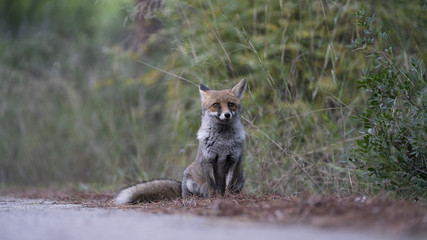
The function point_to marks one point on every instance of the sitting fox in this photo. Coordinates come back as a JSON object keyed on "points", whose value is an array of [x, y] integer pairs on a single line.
{"points": [[218, 166]]}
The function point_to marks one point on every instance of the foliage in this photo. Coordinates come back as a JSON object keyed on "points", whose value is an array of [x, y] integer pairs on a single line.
{"points": [[395, 133], [295, 108], [72, 110], [302, 83], [78, 106]]}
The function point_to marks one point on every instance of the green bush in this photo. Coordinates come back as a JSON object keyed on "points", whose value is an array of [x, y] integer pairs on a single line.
{"points": [[394, 146]]}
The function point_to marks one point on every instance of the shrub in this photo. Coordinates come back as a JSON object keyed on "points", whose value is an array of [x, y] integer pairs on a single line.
{"points": [[394, 145]]}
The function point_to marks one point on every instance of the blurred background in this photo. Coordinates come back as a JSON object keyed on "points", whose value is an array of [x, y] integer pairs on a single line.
{"points": [[102, 94]]}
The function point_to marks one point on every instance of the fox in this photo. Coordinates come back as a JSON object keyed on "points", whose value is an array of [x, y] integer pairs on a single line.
{"points": [[218, 165]]}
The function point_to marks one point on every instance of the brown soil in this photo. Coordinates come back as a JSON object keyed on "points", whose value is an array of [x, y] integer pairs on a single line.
{"points": [[372, 213]]}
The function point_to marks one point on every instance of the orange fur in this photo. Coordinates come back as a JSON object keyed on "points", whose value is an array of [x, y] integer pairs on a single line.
{"points": [[223, 98]]}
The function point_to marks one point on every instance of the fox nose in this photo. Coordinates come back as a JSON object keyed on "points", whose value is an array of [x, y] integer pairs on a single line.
{"points": [[227, 115]]}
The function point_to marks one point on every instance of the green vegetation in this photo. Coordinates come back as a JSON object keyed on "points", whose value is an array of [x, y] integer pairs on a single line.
{"points": [[101, 93], [394, 147]]}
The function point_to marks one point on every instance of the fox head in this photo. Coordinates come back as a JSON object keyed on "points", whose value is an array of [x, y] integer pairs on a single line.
{"points": [[222, 105]]}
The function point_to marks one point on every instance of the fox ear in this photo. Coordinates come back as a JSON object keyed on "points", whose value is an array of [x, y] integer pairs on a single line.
{"points": [[203, 89], [240, 88]]}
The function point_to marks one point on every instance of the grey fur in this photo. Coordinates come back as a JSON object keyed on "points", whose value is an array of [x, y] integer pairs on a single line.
{"points": [[218, 166], [219, 162], [149, 191]]}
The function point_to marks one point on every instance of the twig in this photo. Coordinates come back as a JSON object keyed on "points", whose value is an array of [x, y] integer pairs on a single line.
{"points": [[164, 71]]}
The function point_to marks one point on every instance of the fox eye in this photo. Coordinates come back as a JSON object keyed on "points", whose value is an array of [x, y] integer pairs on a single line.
{"points": [[231, 105], [215, 105]]}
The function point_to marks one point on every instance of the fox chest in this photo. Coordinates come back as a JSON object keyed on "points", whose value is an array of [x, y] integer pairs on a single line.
{"points": [[221, 147]]}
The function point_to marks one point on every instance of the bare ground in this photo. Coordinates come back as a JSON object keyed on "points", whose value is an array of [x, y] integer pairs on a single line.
{"points": [[367, 213]]}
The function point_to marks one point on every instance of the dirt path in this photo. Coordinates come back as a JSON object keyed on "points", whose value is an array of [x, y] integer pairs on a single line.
{"points": [[81, 215]]}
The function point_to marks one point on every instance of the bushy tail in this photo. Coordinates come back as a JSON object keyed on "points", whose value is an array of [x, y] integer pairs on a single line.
{"points": [[149, 191]]}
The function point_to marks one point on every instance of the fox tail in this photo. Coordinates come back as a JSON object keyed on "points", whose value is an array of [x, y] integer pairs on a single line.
{"points": [[150, 191]]}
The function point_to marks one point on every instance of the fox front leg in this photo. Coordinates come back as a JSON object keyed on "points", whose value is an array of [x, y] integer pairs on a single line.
{"points": [[211, 178], [235, 176], [230, 174]]}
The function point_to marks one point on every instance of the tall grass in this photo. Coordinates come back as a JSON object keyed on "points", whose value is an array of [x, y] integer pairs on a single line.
{"points": [[85, 110], [302, 99]]}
